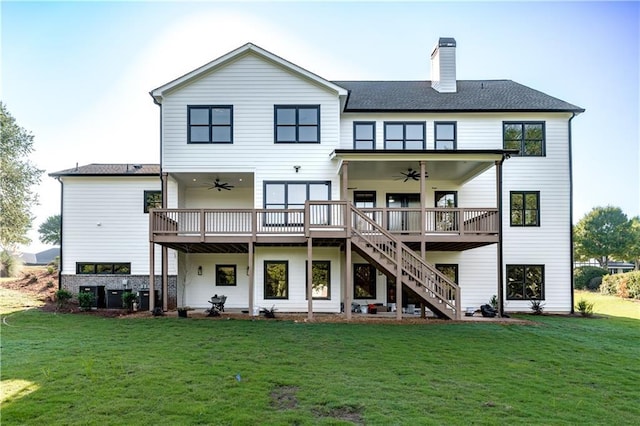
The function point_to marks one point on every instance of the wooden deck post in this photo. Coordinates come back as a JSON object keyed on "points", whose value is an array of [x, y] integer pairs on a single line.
{"points": [[152, 276], [165, 251], [165, 278], [309, 290], [251, 265], [423, 221], [499, 249], [349, 280], [398, 282], [344, 192]]}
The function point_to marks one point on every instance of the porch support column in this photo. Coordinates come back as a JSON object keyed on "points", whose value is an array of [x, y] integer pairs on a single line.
{"points": [[423, 221], [349, 280], [152, 275], [309, 278], [499, 203], [252, 283], [398, 282], [165, 252], [423, 213], [344, 195]]}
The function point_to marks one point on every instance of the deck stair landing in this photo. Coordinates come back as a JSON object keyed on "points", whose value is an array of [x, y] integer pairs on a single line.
{"points": [[388, 254]]}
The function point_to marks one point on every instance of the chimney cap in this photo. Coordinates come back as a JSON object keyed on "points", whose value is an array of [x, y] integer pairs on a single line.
{"points": [[447, 42]]}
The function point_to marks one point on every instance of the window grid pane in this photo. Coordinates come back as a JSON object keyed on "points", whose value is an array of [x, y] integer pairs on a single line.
{"points": [[528, 138], [276, 279], [210, 124], [525, 208], [404, 136], [297, 124]]}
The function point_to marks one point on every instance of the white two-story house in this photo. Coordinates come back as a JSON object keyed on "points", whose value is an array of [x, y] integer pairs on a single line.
{"points": [[278, 188]]}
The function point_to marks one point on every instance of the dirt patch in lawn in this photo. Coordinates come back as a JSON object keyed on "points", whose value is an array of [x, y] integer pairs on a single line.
{"points": [[284, 397]]}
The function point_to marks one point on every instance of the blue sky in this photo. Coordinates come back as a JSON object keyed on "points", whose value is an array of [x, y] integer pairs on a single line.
{"points": [[77, 74]]}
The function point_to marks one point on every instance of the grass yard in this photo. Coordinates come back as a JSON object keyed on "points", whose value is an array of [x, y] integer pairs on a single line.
{"points": [[82, 369], [610, 305]]}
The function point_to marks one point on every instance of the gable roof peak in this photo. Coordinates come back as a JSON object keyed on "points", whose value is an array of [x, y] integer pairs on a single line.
{"points": [[159, 93]]}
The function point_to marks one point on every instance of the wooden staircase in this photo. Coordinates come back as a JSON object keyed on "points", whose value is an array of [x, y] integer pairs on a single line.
{"points": [[389, 254]]}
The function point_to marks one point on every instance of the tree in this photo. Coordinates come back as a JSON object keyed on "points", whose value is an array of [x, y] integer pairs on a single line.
{"points": [[17, 177], [634, 252], [603, 234], [50, 230]]}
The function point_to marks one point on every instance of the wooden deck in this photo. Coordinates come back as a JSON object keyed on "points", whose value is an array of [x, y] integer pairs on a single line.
{"points": [[229, 230]]}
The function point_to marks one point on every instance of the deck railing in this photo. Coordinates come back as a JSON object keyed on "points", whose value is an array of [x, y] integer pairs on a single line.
{"points": [[319, 216]]}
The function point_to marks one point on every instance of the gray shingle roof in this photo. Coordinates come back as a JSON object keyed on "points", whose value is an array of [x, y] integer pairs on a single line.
{"points": [[472, 95], [110, 170]]}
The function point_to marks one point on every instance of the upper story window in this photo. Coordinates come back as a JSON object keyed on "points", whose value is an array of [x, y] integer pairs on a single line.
{"points": [[282, 196], [364, 135], [445, 135], [210, 124], [152, 200], [527, 137], [525, 208], [297, 123], [408, 135]]}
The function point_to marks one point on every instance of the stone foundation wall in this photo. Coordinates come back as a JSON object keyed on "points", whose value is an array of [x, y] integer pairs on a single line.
{"points": [[114, 282]]}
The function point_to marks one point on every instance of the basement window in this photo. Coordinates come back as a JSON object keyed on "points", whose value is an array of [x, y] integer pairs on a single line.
{"points": [[525, 282]]}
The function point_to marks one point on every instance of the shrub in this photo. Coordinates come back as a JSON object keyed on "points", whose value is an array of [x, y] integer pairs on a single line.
{"points": [[10, 265], [127, 300], [62, 298], [50, 284], [85, 300], [583, 277], [623, 285], [537, 307], [585, 308], [494, 302], [633, 285]]}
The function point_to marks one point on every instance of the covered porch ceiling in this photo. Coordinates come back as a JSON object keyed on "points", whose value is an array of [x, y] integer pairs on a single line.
{"points": [[205, 180], [458, 166]]}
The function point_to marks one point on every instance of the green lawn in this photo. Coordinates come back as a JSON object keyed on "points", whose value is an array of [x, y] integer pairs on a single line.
{"points": [[610, 305], [79, 369]]}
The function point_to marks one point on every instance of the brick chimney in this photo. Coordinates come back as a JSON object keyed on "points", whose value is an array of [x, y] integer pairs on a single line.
{"points": [[443, 66]]}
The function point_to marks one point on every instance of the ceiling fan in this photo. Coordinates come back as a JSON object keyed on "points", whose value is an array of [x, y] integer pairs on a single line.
{"points": [[220, 185], [410, 174]]}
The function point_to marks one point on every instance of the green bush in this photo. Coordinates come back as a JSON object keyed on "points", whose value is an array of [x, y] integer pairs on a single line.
{"points": [[53, 266], [623, 285], [85, 300], [585, 308], [10, 265], [62, 298], [583, 277], [128, 298]]}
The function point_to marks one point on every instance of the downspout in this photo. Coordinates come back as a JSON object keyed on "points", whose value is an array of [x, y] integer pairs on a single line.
{"points": [[571, 257], [61, 233], [500, 231]]}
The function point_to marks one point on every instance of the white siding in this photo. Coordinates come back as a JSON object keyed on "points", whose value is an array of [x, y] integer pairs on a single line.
{"points": [[297, 257], [548, 244], [103, 221], [253, 86], [201, 288]]}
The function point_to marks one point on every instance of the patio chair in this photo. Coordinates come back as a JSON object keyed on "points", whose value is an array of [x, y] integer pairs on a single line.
{"points": [[217, 305]]}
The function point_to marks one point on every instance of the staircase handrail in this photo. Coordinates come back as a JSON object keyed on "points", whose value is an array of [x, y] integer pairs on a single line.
{"points": [[445, 289]]}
